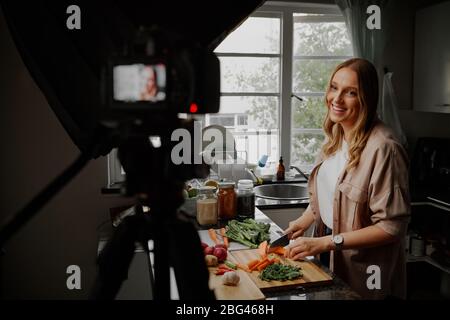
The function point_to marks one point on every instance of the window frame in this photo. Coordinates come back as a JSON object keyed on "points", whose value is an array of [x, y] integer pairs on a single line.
{"points": [[286, 10]]}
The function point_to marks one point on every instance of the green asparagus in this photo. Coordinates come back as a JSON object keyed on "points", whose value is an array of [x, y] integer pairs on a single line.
{"points": [[248, 232]]}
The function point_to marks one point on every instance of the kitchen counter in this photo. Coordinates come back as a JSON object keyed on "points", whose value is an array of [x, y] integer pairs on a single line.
{"points": [[338, 290]]}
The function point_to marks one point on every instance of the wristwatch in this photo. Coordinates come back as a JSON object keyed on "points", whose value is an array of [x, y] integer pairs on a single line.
{"points": [[338, 241]]}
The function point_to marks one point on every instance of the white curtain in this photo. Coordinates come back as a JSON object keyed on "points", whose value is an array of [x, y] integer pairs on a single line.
{"points": [[388, 108], [367, 43], [370, 44]]}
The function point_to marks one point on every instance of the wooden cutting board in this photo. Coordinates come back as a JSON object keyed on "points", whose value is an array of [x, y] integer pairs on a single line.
{"points": [[245, 290], [312, 274]]}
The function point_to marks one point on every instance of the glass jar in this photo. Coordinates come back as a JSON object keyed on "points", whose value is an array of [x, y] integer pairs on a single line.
{"points": [[207, 206], [226, 201], [245, 200]]}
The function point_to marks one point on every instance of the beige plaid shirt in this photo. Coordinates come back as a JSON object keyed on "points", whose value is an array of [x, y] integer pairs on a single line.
{"points": [[374, 193]]}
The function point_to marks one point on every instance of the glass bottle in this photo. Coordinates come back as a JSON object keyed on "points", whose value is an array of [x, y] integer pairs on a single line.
{"points": [[226, 201], [281, 170], [245, 200], [207, 206]]}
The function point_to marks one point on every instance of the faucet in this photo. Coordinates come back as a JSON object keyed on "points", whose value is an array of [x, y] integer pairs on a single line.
{"points": [[256, 179], [299, 171]]}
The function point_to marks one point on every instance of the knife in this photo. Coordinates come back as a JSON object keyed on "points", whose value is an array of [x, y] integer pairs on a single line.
{"points": [[280, 242]]}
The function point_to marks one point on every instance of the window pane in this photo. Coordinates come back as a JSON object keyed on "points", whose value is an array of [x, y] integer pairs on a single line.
{"points": [[312, 75], [262, 111], [255, 35], [225, 121], [308, 114], [321, 39], [245, 74], [258, 133], [305, 148]]}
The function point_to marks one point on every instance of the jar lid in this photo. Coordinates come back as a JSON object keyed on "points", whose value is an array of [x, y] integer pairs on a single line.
{"points": [[207, 189], [226, 184], [245, 184]]}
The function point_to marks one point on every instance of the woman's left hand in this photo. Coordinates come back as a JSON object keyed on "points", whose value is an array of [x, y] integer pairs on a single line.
{"points": [[306, 246]]}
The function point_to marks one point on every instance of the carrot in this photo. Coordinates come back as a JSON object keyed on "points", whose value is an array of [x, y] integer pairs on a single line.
{"points": [[266, 263], [259, 263], [278, 250], [262, 249], [224, 236], [263, 265], [253, 263], [213, 236], [243, 267]]}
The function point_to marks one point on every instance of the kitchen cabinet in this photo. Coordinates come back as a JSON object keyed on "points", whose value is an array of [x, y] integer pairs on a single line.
{"points": [[432, 59], [428, 259]]}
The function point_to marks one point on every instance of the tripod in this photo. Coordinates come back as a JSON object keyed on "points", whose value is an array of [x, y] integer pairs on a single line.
{"points": [[156, 182]]}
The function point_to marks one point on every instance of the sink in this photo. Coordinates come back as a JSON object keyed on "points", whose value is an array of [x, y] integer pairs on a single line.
{"points": [[282, 192]]}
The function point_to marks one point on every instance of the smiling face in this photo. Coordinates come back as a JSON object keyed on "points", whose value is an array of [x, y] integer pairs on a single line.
{"points": [[343, 98]]}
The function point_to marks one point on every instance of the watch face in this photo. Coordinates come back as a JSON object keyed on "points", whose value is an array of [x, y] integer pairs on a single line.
{"points": [[338, 239]]}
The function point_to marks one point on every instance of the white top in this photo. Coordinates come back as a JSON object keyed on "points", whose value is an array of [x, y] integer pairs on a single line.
{"points": [[327, 178]]}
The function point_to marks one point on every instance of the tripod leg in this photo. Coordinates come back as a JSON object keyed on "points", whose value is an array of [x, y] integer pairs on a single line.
{"points": [[162, 267], [189, 263], [115, 258]]}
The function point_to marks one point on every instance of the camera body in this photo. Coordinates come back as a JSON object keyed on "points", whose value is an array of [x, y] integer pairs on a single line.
{"points": [[160, 78]]}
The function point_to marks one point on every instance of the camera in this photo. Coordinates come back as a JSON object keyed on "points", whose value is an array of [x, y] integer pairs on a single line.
{"points": [[160, 77]]}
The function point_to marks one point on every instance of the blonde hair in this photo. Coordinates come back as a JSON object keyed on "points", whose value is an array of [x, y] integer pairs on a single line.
{"points": [[368, 101]]}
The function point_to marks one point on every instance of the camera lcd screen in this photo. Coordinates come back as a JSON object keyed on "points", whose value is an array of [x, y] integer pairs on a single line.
{"points": [[139, 82]]}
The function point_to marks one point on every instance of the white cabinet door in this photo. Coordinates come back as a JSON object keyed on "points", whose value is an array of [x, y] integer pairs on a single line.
{"points": [[432, 59]]}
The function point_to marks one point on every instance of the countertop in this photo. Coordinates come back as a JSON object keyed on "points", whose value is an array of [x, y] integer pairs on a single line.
{"points": [[339, 290]]}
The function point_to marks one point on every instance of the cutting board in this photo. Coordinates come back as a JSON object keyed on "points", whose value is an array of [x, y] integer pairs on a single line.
{"points": [[245, 290], [312, 274]]}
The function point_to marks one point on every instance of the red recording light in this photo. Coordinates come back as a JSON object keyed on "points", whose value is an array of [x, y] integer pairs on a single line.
{"points": [[193, 108]]}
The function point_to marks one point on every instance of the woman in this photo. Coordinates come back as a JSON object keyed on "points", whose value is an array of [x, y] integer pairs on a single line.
{"points": [[359, 198]]}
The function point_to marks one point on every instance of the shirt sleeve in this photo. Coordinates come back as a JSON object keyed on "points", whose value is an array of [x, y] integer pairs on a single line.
{"points": [[388, 190]]}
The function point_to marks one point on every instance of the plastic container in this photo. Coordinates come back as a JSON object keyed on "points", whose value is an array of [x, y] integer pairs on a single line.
{"points": [[417, 246], [226, 198], [245, 200], [207, 206]]}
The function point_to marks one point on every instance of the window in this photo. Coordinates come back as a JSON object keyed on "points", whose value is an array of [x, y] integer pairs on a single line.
{"points": [[223, 120], [279, 54], [320, 42], [250, 59], [275, 57]]}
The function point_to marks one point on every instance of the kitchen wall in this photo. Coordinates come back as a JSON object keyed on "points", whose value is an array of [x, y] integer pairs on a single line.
{"points": [[399, 58], [35, 149]]}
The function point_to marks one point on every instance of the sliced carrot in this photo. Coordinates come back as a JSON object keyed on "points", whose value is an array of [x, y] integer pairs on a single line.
{"points": [[263, 265], [213, 236], [243, 267], [224, 236], [253, 263], [262, 249], [255, 267], [278, 250]]}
